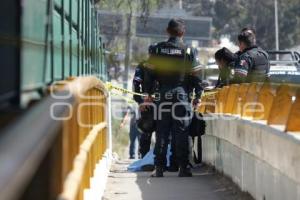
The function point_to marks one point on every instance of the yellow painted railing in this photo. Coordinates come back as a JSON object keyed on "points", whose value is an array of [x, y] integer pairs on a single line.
{"points": [[84, 138], [59, 148], [275, 104]]}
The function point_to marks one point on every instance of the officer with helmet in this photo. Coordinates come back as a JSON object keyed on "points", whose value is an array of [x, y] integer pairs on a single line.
{"points": [[172, 61]]}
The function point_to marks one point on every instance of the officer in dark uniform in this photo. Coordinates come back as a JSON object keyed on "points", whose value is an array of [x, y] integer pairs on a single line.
{"points": [[194, 88], [142, 84], [252, 64], [172, 61]]}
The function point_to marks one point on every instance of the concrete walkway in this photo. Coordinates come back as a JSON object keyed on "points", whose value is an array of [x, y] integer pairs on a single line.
{"points": [[205, 184]]}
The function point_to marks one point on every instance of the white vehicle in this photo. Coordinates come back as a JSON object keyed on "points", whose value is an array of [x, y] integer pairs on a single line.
{"points": [[284, 66]]}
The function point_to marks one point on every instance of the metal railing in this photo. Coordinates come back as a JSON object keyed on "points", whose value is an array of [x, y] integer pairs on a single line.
{"points": [[51, 152]]}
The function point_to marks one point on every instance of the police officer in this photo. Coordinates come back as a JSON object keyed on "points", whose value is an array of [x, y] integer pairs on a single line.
{"points": [[172, 61], [141, 84], [248, 29], [252, 64]]}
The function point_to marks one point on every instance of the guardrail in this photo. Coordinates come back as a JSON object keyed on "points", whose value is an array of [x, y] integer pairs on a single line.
{"points": [[275, 105], [89, 124], [60, 148]]}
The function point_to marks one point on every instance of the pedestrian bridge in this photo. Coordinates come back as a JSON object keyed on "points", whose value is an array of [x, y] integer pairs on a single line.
{"points": [[251, 138]]}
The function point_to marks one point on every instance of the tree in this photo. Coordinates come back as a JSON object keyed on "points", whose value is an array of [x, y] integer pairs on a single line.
{"points": [[230, 16], [123, 43], [289, 23]]}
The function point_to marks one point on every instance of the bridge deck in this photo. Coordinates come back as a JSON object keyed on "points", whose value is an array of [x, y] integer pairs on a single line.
{"points": [[205, 184]]}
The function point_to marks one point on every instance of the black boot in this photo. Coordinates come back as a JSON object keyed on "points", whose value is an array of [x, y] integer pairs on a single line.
{"points": [[173, 168], [158, 172], [185, 172]]}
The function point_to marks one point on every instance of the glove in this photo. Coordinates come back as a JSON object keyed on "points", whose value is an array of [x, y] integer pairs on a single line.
{"points": [[196, 103], [144, 106]]}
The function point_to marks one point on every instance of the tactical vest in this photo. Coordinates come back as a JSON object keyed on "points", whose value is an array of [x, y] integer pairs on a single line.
{"points": [[170, 61], [260, 66]]}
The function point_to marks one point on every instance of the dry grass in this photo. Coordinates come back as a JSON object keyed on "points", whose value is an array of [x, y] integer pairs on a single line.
{"points": [[120, 139]]}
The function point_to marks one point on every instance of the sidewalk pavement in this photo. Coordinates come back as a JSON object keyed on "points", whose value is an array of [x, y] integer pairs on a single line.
{"points": [[205, 184]]}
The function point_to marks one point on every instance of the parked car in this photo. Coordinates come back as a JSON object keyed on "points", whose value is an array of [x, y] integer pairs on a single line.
{"points": [[285, 66]]}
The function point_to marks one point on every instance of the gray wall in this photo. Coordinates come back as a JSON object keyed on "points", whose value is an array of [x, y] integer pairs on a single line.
{"points": [[262, 160]]}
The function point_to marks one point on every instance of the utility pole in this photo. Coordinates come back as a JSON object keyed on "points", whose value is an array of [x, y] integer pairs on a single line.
{"points": [[276, 25], [180, 4], [128, 48]]}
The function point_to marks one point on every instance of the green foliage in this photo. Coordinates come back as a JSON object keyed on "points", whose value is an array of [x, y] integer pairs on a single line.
{"points": [[230, 16], [143, 7], [289, 25]]}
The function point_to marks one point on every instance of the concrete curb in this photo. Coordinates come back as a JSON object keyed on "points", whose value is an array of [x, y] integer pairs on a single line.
{"points": [[262, 160]]}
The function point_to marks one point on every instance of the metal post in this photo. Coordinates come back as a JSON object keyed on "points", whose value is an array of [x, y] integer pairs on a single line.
{"points": [[88, 38], [276, 25], [78, 37], [82, 38], [86, 23], [180, 4], [128, 50], [62, 39], [51, 41], [70, 39], [109, 123]]}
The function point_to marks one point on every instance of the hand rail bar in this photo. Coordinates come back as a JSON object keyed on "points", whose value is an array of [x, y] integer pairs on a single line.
{"points": [[24, 144]]}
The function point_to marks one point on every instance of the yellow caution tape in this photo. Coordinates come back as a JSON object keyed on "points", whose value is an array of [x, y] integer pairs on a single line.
{"points": [[111, 87], [207, 94], [127, 99]]}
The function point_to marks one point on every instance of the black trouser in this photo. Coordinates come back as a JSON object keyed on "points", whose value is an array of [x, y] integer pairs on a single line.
{"points": [[145, 143], [197, 129], [134, 135], [173, 159], [174, 116], [147, 125], [198, 159]]}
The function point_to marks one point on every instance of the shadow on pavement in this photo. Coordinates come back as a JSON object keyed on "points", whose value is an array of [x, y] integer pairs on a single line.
{"points": [[205, 184]]}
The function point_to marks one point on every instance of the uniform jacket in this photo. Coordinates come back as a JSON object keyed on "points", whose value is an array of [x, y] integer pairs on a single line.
{"points": [[252, 66], [172, 60], [178, 61], [142, 81]]}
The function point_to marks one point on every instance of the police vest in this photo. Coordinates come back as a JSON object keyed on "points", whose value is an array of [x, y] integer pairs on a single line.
{"points": [[143, 80], [260, 65], [170, 62], [148, 78]]}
